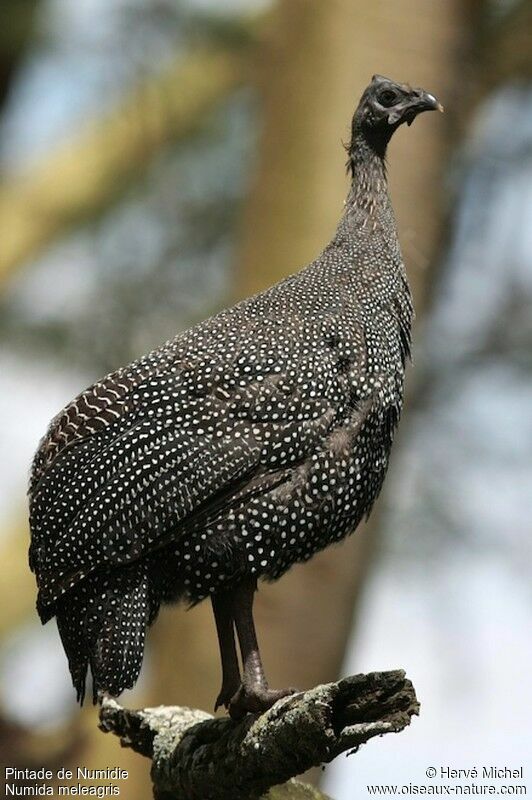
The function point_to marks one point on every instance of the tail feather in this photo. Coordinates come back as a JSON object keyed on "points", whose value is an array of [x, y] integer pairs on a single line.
{"points": [[71, 613], [102, 623]]}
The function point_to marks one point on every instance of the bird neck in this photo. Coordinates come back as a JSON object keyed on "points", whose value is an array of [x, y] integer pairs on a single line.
{"points": [[367, 225], [368, 195]]}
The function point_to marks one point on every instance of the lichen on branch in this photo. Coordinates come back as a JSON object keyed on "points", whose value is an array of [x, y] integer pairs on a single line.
{"points": [[198, 757]]}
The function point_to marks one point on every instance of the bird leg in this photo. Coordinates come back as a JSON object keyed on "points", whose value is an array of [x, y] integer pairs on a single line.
{"points": [[222, 607], [253, 695]]}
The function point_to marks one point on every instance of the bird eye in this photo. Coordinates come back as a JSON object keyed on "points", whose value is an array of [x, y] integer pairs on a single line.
{"points": [[387, 97]]}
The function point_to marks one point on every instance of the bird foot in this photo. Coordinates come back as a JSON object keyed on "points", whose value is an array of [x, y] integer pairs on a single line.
{"points": [[254, 700]]}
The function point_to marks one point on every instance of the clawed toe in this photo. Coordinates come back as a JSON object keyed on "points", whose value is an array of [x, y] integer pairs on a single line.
{"points": [[255, 701], [225, 696]]}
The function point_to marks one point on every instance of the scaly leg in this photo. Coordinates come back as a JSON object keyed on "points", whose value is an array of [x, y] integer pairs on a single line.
{"points": [[253, 696], [222, 606]]}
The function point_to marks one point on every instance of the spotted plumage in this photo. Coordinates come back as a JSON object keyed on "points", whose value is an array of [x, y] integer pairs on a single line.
{"points": [[238, 448]]}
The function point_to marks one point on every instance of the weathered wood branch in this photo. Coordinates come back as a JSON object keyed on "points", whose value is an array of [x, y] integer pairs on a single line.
{"points": [[197, 757]]}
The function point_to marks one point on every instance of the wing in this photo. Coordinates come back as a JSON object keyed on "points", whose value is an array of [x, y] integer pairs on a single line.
{"points": [[192, 442], [95, 409], [124, 500]]}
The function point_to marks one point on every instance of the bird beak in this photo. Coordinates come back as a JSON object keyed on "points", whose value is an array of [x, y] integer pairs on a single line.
{"points": [[417, 101], [429, 103], [424, 102]]}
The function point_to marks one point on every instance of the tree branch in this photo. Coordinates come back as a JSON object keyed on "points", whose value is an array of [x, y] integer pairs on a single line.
{"points": [[197, 757], [89, 172]]}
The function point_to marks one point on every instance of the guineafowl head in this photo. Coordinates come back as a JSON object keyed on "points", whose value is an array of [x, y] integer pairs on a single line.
{"points": [[384, 106]]}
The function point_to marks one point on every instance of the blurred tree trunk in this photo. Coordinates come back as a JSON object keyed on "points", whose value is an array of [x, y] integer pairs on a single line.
{"points": [[17, 588], [312, 67], [316, 64], [17, 18], [505, 51]]}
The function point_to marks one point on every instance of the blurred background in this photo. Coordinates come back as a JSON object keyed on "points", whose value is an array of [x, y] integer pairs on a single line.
{"points": [[160, 159]]}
